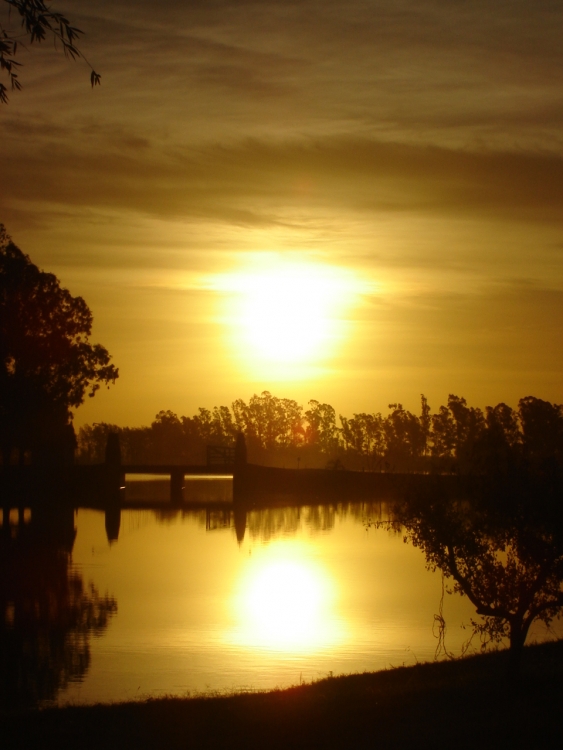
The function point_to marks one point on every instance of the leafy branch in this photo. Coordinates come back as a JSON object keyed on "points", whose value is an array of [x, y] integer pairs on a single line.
{"points": [[38, 22]]}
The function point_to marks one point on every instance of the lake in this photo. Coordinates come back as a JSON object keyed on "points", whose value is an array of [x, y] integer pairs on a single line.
{"points": [[212, 600]]}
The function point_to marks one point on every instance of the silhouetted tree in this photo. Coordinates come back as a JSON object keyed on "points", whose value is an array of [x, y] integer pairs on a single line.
{"points": [[216, 427], [92, 442], [404, 438], [542, 431], [425, 423], [47, 363], [498, 448], [507, 560], [456, 430], [364, 437], [136, 445], [321, 430], [269, 423], [443, 438], [37, 21], [469, 425], [398, 441], [167, 438], [458, 438]]}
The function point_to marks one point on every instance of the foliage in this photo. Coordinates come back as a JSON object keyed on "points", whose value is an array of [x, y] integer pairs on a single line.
{"points": [[269, 422], [506, 556], [38, 22], [320, 427], [457, 439], [364, 436], [404, 437], [47, 363], [542, 431]]}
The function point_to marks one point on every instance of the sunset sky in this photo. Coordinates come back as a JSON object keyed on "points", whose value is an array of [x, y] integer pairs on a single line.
{"points": [[353, 201]]}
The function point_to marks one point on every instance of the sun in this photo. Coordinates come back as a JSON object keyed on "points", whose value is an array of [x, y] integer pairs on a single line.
{"points": [[286, 315], [288, 311]]}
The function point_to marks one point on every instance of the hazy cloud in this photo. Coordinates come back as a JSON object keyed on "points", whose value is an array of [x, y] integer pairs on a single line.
{"points": [[257, 182]]}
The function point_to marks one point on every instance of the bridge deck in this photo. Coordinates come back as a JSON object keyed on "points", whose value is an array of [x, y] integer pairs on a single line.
{"points": [[187, 470]]}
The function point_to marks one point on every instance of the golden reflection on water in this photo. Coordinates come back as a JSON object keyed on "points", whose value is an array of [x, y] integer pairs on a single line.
{"points": [[286, 602], [309, 591]]}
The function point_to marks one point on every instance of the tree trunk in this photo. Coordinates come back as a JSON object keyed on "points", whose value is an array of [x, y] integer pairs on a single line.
{"points": [[518, 633]]}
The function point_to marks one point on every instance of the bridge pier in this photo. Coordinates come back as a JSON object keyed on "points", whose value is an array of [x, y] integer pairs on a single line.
{"points": [[177, 486]]}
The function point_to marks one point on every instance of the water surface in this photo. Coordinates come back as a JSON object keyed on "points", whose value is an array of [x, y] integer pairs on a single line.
{"points": [[211, 600]]}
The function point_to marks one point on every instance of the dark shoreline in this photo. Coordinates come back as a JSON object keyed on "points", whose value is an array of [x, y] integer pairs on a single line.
{"points": [[466, 703]]}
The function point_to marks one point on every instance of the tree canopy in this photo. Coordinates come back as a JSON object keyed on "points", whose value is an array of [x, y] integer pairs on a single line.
{"points": [[35, 21], [47, 363], [502, 547]]}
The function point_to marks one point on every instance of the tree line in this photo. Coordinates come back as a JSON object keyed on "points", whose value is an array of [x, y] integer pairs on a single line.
{"points": [[458, 438]]}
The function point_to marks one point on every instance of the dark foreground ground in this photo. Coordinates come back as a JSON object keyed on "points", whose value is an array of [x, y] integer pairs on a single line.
{"points": [[461, 704]]}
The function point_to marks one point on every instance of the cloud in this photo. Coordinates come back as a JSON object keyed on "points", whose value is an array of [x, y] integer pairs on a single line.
{"points": [[440, 72], [263, 182]]}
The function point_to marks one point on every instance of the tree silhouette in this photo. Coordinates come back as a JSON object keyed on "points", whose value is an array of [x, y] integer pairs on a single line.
{"points": [[404, 437], [47, 364], [269, 423], [457, 439], [321, 429], [542, 432], [364, 436], [503, 549], [37, 22]]}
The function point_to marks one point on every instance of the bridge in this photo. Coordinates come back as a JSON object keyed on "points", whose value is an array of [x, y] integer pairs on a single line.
{"points": [[258, 485], [185, 470], [91, 483], [177, 474]]}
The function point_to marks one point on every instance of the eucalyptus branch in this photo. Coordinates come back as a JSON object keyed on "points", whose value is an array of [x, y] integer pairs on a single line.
{"points": [[38, 21]]}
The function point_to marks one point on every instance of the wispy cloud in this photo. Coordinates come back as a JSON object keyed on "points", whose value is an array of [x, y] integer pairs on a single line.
{"points": [[259, 182]]}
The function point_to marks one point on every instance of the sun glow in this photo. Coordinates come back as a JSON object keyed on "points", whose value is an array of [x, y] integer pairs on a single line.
{"points": [[285, 603], [288, 312]]}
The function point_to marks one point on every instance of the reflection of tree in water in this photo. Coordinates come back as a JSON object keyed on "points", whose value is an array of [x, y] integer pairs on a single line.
{"points": [[271, 522], [47, 614], [320, 517], [503, 549], [268, 523]]}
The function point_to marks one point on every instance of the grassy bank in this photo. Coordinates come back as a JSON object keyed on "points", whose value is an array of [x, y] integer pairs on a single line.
{"points": [[463, 704]]}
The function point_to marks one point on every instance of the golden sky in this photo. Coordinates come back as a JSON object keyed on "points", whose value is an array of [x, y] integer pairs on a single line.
{"points": [[354, 201]]}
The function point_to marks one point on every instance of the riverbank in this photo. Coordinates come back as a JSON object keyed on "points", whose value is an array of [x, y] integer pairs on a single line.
{"points": [[464, 704]]}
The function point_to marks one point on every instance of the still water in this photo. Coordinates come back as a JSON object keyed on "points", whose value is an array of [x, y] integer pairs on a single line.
{"points": [[209, 600]]}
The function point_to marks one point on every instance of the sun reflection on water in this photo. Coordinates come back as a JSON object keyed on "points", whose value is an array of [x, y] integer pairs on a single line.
{"points": [[285, 601]]}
